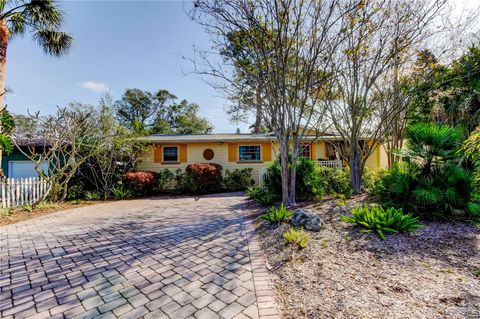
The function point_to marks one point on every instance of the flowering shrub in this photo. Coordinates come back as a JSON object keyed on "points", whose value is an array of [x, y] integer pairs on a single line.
{"points": [[207, 177], [141, 181]]}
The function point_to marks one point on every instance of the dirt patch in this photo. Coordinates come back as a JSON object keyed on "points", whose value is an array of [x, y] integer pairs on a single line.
{"points": [[23, 213], [344, 273]]}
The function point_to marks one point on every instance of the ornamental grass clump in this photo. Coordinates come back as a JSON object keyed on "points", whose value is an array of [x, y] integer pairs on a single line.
{"points": [[379, 220]]}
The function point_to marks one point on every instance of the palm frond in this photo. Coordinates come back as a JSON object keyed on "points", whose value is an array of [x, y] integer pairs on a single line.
{"points": [[53, 42], [17, 23], [44, 14], [427, 195]]}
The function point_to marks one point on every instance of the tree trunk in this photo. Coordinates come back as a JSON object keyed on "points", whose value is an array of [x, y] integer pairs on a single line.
{"points": [[258, 115], [292, 182], [356, 171], [284, 172], [4, 37]]}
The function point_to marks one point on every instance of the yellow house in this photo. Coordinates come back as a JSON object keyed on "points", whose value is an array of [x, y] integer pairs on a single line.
{"points": [[236, 151]]}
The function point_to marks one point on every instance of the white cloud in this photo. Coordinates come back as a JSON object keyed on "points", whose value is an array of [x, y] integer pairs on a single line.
{"points": [[94, 86]]}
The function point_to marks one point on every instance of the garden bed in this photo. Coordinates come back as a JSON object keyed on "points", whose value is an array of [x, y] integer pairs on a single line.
{"points": [[22, 213], [344, 273]]}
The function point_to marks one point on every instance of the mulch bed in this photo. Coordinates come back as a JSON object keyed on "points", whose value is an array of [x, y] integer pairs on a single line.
{"points": [[344, 273]]}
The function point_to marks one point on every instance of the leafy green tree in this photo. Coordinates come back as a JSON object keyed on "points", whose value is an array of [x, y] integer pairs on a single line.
{"points": [[451, 94], [239, 49], [144, 112], [471, 146], [136, 109], [42, 19], [25, 126]]}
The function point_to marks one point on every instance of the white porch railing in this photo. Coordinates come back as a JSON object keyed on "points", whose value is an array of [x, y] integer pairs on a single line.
{"points": [[21, 191], [333, 164]]}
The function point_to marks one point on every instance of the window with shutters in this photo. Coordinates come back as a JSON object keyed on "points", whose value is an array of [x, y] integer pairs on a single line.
{"points": [[170, 154], [249, 153]]}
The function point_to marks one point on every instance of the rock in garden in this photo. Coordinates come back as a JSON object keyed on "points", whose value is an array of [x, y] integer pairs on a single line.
{"points": [[307, 219]]}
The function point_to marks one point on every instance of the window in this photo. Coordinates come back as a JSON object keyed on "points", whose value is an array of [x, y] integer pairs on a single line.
{"points": [[249, 153], [24, 169], [305, 150], [170, 154]]}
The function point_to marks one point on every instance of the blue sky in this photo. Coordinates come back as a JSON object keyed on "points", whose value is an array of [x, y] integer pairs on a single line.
{"points": [[120, 44]]}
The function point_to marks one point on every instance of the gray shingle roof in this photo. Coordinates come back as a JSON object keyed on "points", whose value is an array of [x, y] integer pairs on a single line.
{"points": [[219, 138]]}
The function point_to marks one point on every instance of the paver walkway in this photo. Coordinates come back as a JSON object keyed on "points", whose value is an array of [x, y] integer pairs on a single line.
{"points": [[152, 258]]}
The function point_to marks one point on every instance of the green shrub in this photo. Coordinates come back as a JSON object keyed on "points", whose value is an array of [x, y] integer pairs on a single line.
{"points": [[336, 182], [370, 179], [164, 178], [296, 237], [184, 183], [308, 184], [76, 191], [262, 195], [91, 195], [277, 215], [120, 192], [377, 219], [238, 179]]}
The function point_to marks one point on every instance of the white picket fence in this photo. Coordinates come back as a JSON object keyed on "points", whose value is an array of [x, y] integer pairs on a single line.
{"points": [[21, 191], [333, 164]]}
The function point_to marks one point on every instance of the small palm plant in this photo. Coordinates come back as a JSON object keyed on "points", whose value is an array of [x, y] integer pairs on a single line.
{"points": [[277, 215], [380, 220]]}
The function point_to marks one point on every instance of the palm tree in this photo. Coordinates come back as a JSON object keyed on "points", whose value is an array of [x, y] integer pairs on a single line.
{"points": [[42, 18]]}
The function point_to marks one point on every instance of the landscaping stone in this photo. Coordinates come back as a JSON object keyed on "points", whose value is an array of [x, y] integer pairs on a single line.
{"points": [[306, 219]]}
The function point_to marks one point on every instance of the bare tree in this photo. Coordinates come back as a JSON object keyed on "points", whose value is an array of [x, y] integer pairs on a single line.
{"points": [[288, 45], [67, 139], [381, 36]]}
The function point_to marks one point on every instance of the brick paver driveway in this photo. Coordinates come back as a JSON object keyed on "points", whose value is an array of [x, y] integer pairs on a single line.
{"points": [[152, 258]]}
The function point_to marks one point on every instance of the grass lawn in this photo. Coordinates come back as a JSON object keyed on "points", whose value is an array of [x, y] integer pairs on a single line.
{"points": [[344, 273]]}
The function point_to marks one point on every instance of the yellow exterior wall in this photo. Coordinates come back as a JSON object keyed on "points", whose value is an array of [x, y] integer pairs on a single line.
{"points": [[378, 159], [224, 155], [195, 155]]}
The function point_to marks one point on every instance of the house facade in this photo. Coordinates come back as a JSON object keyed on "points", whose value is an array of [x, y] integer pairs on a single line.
{"points": [[17, 165], [237, 151]]}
